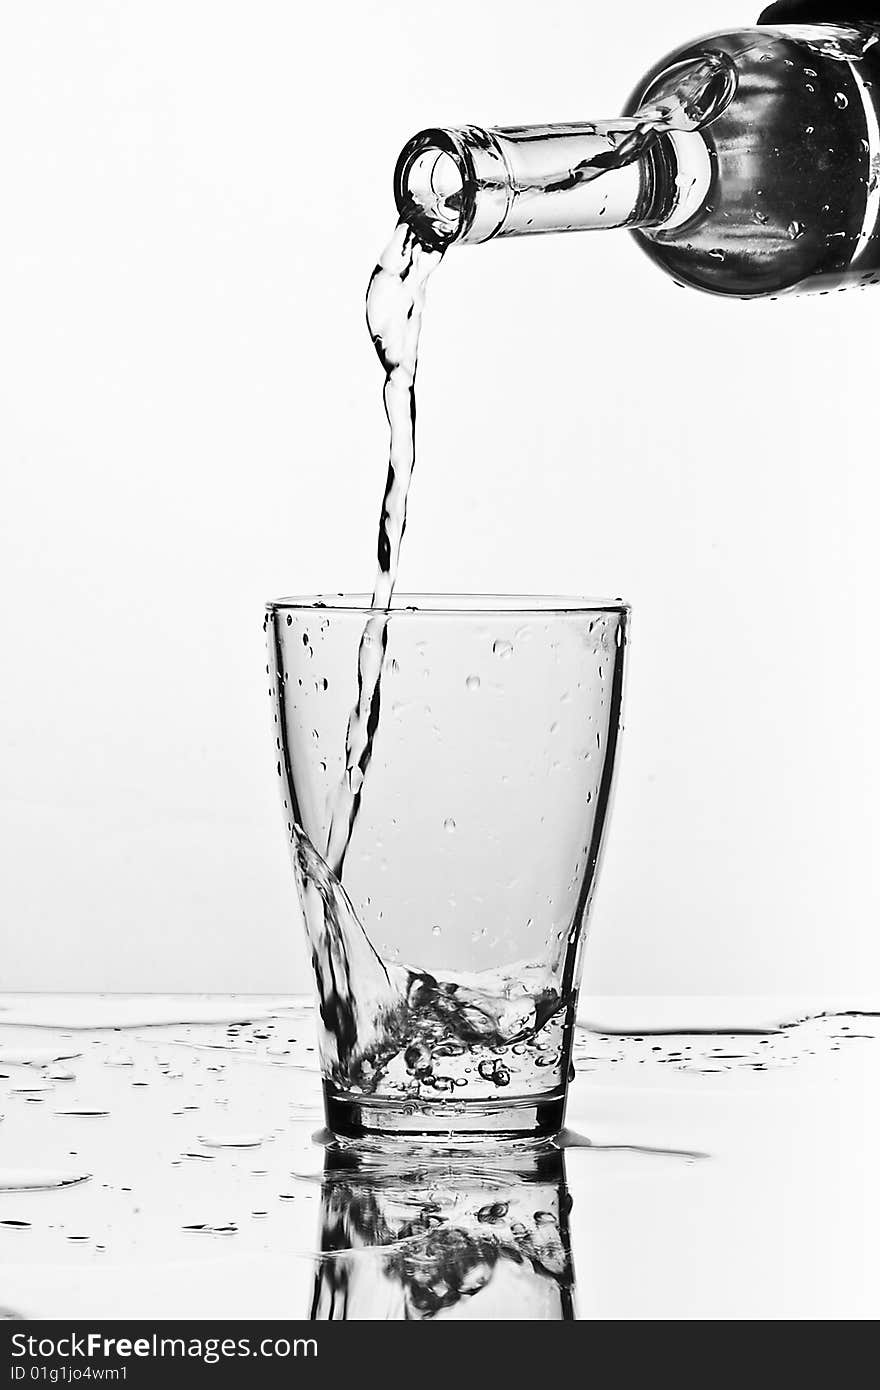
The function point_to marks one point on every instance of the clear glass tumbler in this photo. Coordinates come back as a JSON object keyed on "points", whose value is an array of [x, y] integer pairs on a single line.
{"points": [[446, 822]]}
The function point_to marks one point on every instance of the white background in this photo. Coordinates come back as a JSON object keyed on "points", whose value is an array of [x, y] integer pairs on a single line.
{"points": [[194, 194]]}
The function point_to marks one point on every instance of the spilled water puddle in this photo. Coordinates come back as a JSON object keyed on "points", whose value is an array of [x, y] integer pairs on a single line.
{"points": [[134, 1126], [711, 1050]]}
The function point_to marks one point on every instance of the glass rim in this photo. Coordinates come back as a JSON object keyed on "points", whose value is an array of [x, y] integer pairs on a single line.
{"points": [[446, 605]]}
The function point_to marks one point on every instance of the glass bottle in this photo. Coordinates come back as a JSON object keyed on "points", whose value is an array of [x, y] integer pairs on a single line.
{"points": [[747, 163]]}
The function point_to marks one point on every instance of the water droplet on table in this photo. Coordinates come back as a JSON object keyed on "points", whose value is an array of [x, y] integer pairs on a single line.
{"points": [[38, 1179], [232, 1141]]}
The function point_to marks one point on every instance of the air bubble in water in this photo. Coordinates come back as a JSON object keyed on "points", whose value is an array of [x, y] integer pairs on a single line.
{"points": [[495, 1071], [494, 1211], [473, 682], [417, 1058], [502, 649], [795, 229], [840, 101], [449, 825], [435, 930]]}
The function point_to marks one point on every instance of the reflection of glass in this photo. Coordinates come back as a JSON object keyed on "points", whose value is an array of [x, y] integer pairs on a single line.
{"points": [[413, 1236], [446, 941]]}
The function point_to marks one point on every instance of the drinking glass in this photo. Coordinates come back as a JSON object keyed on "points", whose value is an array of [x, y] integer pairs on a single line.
{"points": [[446, 770]]}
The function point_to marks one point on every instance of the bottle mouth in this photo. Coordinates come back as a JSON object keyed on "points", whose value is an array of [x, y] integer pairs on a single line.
{"points": [[452, 186], [430, 187]]}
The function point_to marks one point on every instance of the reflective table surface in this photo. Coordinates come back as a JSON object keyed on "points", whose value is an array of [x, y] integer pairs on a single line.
{"points": [[163, 1157]]}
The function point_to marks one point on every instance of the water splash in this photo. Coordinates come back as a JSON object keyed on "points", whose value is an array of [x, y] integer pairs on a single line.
{"points": [[405, 1033]]}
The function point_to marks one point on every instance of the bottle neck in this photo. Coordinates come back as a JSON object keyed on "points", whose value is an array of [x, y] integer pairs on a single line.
{"points": [[650, 169], [470, 185]]}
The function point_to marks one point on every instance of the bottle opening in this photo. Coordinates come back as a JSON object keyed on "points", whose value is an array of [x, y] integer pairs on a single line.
{"points": [[430, 187]]}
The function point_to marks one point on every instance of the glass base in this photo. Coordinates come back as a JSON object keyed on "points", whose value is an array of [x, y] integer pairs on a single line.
{"points": [[349, 1117]]}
